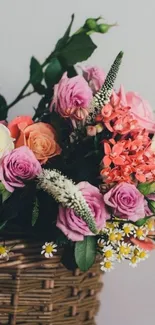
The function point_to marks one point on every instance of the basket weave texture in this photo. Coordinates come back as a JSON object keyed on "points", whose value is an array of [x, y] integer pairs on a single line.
{"points": [[39, 291]]}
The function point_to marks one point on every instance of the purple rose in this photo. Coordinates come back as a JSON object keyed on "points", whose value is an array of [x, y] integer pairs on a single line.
{"points": [[18, 166], [73, 226], [127, 202]]}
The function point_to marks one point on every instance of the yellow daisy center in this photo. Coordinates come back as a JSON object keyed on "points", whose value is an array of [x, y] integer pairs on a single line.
{"points": [[112, 236], [127, 230], [127, 250], [108, 265], [134, 259], [150, 224], [139, 233], [119, 236], [49, 249], [122, 249], [2, 250], [108, 253], [142, 254], [110, 225]]}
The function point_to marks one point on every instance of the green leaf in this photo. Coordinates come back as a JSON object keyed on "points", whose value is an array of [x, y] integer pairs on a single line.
{"points": [[79, 48], [3, 108], [146, 188], [53, 72], [62, 41], [151, 205], [40, 89], [141, 222], [85, 253], [35, 212], [4, 193], [36, 73]]}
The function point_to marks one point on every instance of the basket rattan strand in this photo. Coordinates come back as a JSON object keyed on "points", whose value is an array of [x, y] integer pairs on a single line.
{"points": [[39, 291]]}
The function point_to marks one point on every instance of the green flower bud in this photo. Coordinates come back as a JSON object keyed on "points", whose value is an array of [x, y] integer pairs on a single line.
{"points": [[103, 28], [91, 24]]}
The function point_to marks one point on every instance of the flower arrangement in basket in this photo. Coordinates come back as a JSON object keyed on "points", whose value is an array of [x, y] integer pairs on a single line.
{"points": [[80, 173]]}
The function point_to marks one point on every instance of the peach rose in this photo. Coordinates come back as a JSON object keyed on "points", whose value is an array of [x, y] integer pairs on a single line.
{"points": [[39, 137]]}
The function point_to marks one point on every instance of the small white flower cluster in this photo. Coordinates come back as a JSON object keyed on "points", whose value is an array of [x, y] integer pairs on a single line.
{"points": [[115, 247], [66, 193]]}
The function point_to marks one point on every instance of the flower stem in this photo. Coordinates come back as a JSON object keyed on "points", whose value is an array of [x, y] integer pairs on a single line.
{"points": [[20, 96]]}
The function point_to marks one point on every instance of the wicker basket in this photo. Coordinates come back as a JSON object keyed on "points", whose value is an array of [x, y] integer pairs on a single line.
{"points": [[38, 291]]}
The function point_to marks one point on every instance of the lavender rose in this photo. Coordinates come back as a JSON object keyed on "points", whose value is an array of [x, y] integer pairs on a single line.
{"points": [[72, 97], [73, 226], [18, 166], [127, 202]]}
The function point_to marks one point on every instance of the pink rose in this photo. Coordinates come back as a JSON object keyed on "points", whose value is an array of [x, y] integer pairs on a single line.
{"points": [[126, 201], [73, 226], [140, 108], [72, 97], [95, 76], [17, 167]]}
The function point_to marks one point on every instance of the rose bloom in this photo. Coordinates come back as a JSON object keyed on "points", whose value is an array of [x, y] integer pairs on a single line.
{"points": [[6, 141], [18, 124], [39, 137], [140, 108], [95, 76], [126, 201], [17, 167], [72, 97], [74, 227]]}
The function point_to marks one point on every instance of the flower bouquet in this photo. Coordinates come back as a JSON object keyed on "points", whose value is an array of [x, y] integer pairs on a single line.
{"points": [[77, 183]]}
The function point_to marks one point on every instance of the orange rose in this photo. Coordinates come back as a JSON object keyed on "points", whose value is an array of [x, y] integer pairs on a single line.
{"points": [[39, 137], [18, 124]]}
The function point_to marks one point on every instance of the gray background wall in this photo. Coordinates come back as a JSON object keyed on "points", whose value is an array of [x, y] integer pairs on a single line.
{"points": [[32, 27]]}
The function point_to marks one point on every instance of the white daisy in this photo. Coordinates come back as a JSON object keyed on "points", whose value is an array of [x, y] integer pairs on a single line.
{"points": [[140, 253], [128, 229], [112, 237], [140, 232], [119, 235], [107, 265], [48, 249], [109, 253], [124, 249]]}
